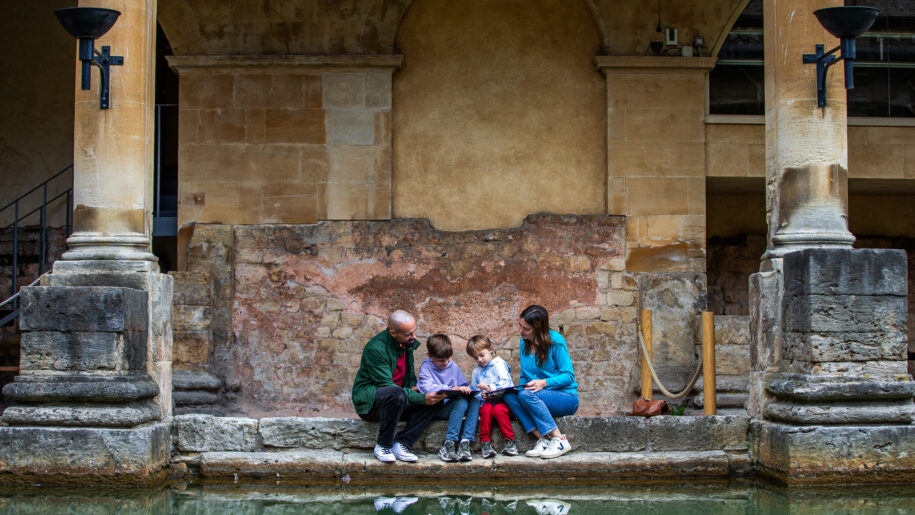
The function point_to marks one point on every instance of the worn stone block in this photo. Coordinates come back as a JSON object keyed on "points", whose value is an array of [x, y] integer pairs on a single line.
{"points": [[83, 351], [272, 465], [350, 127], [191, 318], [846, 272], [138, 452], [317, 433], [195, 380], [844, 346], [845, 313], [201, 433], [676, 301], [731, 359], [732, 330], [827, 454], [344, 90], [192, 347], [83, 308], [845, 413], [605, 434], [684, 433], [97, 415], [192, 288], [81, 388]]}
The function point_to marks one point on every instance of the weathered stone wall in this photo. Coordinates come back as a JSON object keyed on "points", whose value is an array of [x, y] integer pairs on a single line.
{"points": [[306, 298], [495, 100]]}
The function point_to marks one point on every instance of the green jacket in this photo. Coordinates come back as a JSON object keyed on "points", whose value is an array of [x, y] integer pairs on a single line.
{"points": [[379, 359]]}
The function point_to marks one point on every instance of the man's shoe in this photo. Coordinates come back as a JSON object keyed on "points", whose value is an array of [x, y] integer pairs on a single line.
{"points": [[402, 453], [486, 450], [384, 454], [559, 445], [464, 451], [538, 449], [446, 453], [510, 449]]}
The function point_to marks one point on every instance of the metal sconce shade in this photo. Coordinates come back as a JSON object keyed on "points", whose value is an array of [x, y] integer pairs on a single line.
{"points": [[87, 22], [846, 22]]}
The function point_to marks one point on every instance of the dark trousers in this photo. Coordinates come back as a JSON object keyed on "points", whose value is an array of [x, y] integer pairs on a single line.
{"points": [[390, 407]]}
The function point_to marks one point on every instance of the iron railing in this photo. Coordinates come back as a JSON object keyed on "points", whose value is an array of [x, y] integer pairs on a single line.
{"points": [[9, 308]]}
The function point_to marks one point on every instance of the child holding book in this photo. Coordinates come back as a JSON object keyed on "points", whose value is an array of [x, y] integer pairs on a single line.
{"points": [[491, 373], [438, 373]]}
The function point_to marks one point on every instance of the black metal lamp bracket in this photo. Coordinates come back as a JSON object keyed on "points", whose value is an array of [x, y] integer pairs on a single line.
{"points": [[103, 60], [823, 61]]}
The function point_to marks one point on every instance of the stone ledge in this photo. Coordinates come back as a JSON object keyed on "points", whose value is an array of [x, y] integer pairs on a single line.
{"points": [[204, 433], [363, 467]]}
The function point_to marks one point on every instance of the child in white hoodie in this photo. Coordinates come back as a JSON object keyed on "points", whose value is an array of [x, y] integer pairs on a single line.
{"points": [[491, 373]]}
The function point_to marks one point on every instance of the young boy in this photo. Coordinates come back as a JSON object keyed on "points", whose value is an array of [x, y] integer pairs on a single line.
{"points": [[491, 373], [438, 373]]}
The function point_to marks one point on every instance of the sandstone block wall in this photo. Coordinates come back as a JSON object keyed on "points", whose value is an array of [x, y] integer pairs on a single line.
{"points": [[284, 140], [304, 300]]}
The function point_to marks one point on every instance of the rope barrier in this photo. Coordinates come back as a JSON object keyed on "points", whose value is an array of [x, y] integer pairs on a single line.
{"points": [[11, 299], [679, 395]]}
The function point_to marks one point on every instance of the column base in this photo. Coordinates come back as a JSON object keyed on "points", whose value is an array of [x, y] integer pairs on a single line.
{"points": [[829, 454], [61, 455]]}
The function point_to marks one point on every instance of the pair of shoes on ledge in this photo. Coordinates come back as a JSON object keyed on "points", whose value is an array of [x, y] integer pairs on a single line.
{"points": [[547, 448], [392, 454]]}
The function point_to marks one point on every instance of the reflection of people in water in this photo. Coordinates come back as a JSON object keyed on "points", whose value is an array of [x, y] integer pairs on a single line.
{"points": [[396, 504], [550, 507]]}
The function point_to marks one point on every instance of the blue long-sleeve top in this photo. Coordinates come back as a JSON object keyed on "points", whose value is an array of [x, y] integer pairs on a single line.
{"points": [[497, 374], [556, 369]]}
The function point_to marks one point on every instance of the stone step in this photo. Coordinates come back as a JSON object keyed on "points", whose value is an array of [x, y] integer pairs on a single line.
{"points": [[198, 433], [362, 467]]}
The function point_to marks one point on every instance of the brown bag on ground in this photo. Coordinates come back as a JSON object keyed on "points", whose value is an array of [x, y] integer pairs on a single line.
{"points": [[646, 408]]}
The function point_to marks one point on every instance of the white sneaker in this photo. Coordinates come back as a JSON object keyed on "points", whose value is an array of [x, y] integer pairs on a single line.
{"points": [[402, 453], [384, 454], [558, 446], [538, 449]]}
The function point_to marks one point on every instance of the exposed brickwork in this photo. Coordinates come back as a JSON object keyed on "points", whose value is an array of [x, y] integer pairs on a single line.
{"points": [[307, 297]]}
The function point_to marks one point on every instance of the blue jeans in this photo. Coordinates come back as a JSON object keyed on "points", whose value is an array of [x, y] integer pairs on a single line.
{"points": [[536, 410], [454, 411]]}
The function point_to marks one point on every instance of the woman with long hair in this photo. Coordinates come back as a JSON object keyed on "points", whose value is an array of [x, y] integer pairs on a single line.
{"points": [[549, 383]]}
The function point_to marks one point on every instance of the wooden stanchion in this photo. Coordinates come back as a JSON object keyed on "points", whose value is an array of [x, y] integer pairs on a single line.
{"points": [[646, 334], [708, 362]]}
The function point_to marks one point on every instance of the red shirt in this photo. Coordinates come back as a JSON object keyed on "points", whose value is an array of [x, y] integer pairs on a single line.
{"points": [[400, 371]]}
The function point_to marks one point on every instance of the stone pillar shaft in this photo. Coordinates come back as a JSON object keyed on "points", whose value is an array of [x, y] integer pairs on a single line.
{"points": [[113, 148], [806, 146]]}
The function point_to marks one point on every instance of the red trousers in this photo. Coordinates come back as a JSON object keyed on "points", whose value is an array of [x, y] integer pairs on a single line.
{"points": [[499, 411]]}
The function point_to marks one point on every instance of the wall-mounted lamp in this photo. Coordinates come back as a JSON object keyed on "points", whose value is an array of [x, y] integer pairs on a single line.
{"points": [[87, 24], [845, 23]]}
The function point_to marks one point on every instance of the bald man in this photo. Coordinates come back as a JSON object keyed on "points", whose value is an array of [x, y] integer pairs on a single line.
{"points": [[385, 390]]}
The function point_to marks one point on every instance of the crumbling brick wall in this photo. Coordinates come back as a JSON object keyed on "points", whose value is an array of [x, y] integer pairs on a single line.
{"points": [[306, 298]]}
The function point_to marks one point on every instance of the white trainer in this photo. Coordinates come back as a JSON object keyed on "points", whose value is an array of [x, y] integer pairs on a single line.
{"points": [[538, 449], [558, 446], [384, 454], [402, 453]]}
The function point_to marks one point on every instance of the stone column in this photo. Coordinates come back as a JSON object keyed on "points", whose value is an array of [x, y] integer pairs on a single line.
{"points": [[829, 392], [113, 149], [806, 145], [94, 394]]}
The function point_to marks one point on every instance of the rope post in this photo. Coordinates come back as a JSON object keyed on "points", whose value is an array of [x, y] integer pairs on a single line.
{"points": [[646, 335], [708, 362]]}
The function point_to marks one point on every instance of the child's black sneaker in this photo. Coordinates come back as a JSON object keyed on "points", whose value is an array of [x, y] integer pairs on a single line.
{"points": [[446, 453], [486, 450], [464, 451], [510, 448]]}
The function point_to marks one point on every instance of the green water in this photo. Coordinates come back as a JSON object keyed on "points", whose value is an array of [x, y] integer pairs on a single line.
{"points": [[706, 499]]}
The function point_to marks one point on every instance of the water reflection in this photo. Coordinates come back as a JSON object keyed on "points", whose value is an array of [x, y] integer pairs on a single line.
{"points": [[703, 498]]}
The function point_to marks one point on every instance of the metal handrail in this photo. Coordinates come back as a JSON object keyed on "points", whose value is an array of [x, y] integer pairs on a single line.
{"points": [[42, 209]]}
